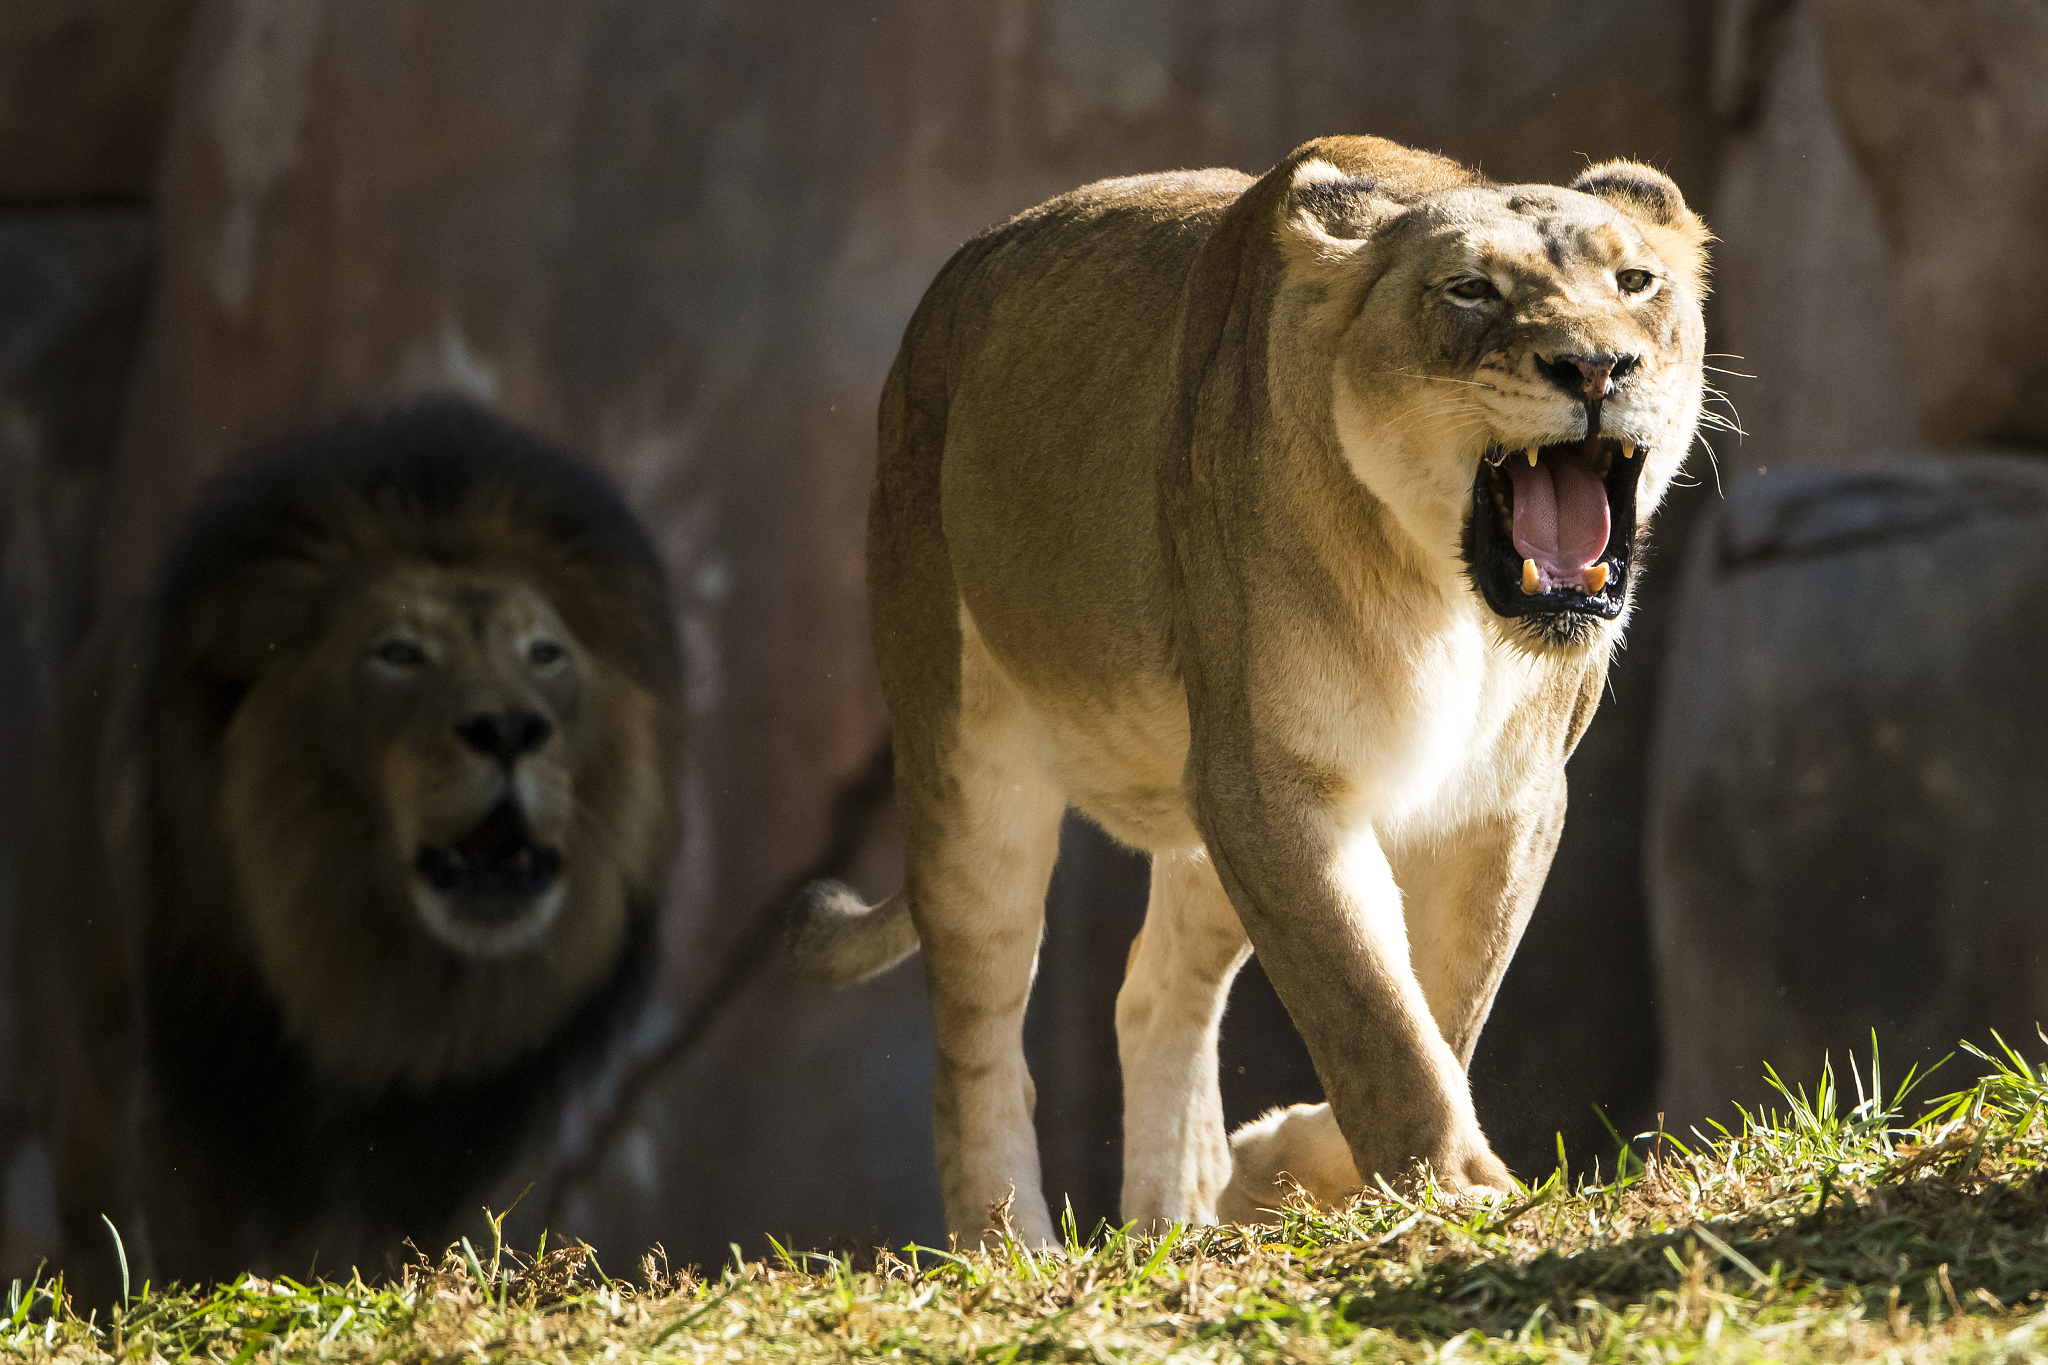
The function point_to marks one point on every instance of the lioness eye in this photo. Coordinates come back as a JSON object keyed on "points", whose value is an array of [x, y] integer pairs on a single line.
{"points": [[541, 653], [1473, 287], [401, 654], [1633, 281]]}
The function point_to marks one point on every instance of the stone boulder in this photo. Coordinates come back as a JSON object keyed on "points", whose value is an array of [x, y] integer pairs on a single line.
{"points": [[1850, 777]]}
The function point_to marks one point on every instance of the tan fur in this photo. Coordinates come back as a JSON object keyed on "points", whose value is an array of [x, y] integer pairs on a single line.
{"points": [[274, 853], [1167, 527]]}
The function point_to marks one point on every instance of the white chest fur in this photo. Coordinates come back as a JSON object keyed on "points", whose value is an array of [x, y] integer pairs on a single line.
{"points": [[1424, 748]]}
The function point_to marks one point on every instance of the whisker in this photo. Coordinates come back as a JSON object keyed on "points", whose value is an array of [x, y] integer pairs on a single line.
{"points": [[1444, 402], [1731, 421], [1451, 427], [1713, 463], [1439, 379], [1429, 412]]}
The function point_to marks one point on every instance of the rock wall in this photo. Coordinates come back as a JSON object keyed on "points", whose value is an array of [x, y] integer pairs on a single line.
{"points": [[684, 239], [83, 87], [1811, 336], [1944, 105], [72, 289], [1840, 783]]}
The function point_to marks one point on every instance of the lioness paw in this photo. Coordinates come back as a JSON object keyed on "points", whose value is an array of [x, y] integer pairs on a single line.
{"points": [[1281, 1151], [1300, 1148]]}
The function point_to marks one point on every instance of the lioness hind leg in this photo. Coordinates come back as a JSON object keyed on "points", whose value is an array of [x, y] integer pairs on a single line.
{"points": [[1284, 1149], [1176, 1159], [977, 866]]}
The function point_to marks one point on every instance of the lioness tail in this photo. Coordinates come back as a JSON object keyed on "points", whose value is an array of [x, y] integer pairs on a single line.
{"points": [[837, 939]]}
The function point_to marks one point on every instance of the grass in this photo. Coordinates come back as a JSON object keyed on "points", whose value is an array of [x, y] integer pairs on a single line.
{"points": [[1830, 1229]]}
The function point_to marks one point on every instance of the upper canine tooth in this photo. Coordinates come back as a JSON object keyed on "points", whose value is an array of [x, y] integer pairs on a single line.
{"points": [[1628, 450], [1596, 578], [1529, 576], [1532, 457]]}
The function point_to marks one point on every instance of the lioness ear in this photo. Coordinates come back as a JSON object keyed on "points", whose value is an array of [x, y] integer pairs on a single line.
{"points": [[1648, 196], [1328, 213]]}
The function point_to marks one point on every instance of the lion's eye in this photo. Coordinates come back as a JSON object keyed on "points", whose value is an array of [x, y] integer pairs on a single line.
{"points": [[541, 653], [1472, 288], [401, 654], [1634, 281]]}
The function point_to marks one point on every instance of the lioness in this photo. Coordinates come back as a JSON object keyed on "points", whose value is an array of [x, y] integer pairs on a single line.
{"points": [[347, 849], [1283, 527]]}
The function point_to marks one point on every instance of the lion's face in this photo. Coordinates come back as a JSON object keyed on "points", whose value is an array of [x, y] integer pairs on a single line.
{"points": [[1517, 376], [440, 807], [466, 695]]}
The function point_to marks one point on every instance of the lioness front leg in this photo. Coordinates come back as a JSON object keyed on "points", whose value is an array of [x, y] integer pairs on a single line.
{"points": [[1176, 1157], [1324, 914], [1466, 901], [1467, 898]]}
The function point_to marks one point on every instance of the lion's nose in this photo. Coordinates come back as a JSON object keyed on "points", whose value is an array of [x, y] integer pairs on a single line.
{"points": [[1586, 376], [505, 735]]}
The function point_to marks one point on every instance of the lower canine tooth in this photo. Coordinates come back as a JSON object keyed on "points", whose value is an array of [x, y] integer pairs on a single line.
{"points": [[1529, 576], [1596, 577], [1628, 450], [1531, 452]]}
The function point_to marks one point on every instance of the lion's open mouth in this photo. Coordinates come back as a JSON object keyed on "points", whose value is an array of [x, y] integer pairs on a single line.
{"points": [[495, 870], [1553, 526]]}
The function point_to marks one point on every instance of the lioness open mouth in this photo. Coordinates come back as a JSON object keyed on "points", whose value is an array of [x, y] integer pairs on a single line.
{"points": [[493, 872], [1553, 527]]}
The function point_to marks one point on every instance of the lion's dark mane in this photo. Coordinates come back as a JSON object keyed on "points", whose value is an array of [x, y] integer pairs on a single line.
{"points": [[411, 483], [291, 1152], [447, 483]]}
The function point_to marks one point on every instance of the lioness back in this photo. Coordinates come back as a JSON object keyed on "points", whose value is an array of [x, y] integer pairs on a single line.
{"points": [[1023, 319]]}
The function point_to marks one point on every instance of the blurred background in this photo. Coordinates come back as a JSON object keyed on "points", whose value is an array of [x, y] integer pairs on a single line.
{"points": [[683, 237]]}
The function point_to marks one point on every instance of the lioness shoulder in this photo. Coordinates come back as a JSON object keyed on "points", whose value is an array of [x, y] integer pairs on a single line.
{"points": [[1283, 527], [349, 846]]}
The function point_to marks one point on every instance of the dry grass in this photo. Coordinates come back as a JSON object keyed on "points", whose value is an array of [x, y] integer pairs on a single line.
{"points": [[1828, 1231]]}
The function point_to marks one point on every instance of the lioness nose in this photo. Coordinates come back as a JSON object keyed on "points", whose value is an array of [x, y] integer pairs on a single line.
{"points": [[505, 735], [1586, 376]]}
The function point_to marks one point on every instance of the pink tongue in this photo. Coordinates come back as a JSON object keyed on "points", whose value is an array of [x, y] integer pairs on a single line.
{"points": [[1560, 514]]}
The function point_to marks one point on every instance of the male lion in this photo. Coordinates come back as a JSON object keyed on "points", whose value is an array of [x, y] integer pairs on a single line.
{"points": [[348, 848], [1283, 528]]}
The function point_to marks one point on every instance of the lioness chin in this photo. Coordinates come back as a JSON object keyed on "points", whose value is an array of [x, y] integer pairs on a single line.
{"points": [[1284, 528]]}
